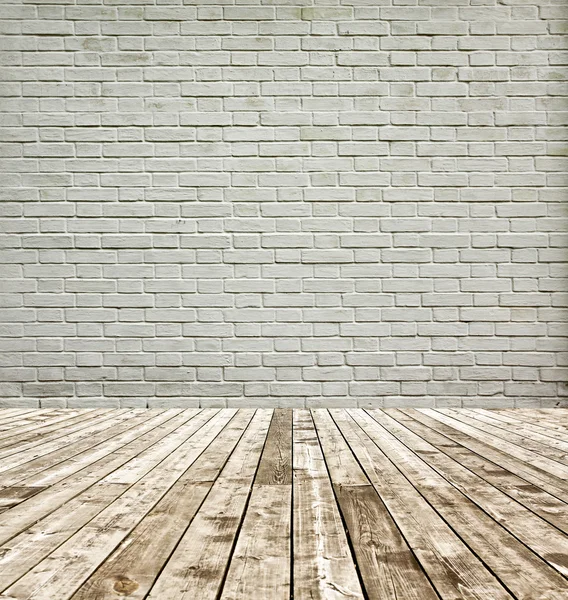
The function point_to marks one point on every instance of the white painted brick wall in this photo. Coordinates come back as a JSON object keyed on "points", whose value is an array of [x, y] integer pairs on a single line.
{"points": [[283, 202]]}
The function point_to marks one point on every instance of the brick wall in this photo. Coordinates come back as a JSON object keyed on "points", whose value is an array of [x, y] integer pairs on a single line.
{"points": [[284, 202]]}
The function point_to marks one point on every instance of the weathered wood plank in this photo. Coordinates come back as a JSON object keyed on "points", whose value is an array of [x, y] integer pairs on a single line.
{"points": [[551, 471], [544, 539], [454, 570], [512, 562], [316, 505], [203, 554], [260, 564], [7, 415], [33, 461], [120, 436], [555, 422], [36, 451], [25, 434], [64, 570], [11, 496], [26, 550], [387, 565], [512, 436], [34, 544], [276, 462], [553, 439], [133, 567], [323, 565], [25, 514], [23, 417], [552, 485], [545, 505]]}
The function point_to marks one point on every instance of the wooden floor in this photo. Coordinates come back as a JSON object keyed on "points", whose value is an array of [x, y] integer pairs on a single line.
{"points": [[205, 504]]}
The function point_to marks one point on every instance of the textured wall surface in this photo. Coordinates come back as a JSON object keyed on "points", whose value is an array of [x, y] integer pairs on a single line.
{"points": [[283, 203]]}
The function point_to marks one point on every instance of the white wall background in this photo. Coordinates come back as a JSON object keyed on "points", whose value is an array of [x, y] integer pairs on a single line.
{"points": [[352, 202]]}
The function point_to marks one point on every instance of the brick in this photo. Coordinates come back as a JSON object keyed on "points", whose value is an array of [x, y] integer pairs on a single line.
{"points": [[276, 204]]}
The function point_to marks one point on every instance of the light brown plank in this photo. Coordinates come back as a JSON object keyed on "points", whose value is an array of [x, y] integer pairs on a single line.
{"points": [[30, 547], [32, 461], [14, 459], [512, 435], [387, 565], [11, 496], [454, 570], [512, 562], [202, 556], [534, 475], [544, 539], [260, 564], [323, 566], [552, 471], [35, 543], [7, 415], [556, 421], [536, 433], [64, 570], [532, 497], [133, 567], [25, 514], [276, 464], [22, 418], [36, 431], [104, 445]]}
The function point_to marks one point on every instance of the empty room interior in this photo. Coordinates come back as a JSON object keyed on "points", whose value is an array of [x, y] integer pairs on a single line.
{"points": [[283, 299]]}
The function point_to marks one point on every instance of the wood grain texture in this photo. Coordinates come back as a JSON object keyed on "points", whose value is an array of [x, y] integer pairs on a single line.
{"points": [[545, 505], [454, 570], [492, 543], [276, 462], [388, 567], [324, 568], [226, 504]]}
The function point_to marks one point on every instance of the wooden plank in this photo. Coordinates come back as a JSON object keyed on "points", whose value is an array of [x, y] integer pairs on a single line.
{"points": [[32, 462], [276, 464], [141, 555], [22, 516], [105, 444], [323, 567], [552, 485], [555, 422], [454, 570], [11, 496], [512, 562], [544, 539], [545, 436], [514, 436], [35, 431], [9, 414], [201, 558], [540, 502], [28, 548], [260, 565], [221, 505], [21, 417], [37, 441], [388, 567], [12, 459], [162, 450], [550, 472], [64, 570]]}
